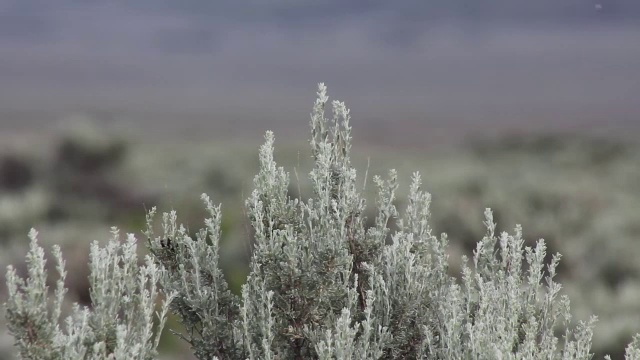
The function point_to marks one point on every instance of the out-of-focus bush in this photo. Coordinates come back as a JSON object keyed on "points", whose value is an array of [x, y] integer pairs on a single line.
{"points": [[16, 173]]}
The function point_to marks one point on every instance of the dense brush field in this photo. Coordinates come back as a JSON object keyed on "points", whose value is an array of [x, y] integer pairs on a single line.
{"points": [[581, 194]]}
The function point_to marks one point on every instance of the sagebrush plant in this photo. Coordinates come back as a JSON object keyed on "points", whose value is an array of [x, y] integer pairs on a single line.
{"points": [[322, 283], [119, 325]]}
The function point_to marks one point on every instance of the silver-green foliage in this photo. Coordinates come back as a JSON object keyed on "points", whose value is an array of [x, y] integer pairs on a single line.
{"points": [[120, 323], [322, 284]]}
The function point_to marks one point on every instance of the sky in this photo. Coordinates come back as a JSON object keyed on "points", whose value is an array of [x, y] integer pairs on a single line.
{"points": [[429, 65]]}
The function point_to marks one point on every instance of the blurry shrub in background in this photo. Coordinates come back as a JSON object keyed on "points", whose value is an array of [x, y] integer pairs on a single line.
{"points": [[81, 176], [87, 177], [16, 173]]}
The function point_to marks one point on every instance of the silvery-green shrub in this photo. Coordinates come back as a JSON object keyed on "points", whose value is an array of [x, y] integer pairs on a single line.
{"points": [[120, 323], [323, 284]]}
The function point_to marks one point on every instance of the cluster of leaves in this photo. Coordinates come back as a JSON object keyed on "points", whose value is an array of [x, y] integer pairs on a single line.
{"points": [[120, 324], [323, 284]]}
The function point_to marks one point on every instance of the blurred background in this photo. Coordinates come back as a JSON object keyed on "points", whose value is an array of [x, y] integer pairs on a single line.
{"points": [[528, 107]]}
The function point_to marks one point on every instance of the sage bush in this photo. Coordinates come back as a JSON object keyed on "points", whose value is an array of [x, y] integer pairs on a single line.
{"points": [[324, 281]]}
